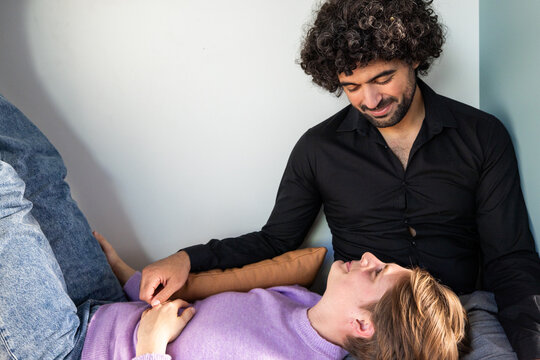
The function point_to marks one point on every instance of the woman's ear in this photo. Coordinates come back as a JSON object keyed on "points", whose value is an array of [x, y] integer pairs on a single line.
{"points": [[363, 326]]}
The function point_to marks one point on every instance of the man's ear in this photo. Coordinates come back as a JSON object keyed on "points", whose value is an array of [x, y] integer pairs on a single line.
{"points": [[363, 326]]}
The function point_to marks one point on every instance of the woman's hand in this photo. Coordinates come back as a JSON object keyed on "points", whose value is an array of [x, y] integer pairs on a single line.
{"points": [[160, 325]]}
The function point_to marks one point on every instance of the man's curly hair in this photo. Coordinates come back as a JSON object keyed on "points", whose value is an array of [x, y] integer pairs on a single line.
{"points": [[352, 33]]}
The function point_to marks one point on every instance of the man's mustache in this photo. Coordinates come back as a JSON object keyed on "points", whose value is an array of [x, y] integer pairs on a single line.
{"points": [[383, 103]]}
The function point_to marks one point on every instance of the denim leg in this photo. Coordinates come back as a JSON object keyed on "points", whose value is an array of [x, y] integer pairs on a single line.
{"points": [[38, 320], [86, 271]]}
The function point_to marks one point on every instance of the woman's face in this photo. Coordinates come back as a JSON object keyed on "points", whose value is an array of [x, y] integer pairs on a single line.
{"points": [[362, 282]]}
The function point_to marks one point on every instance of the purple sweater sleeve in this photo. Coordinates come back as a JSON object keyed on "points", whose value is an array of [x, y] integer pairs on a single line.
{"points": [[131, 287]]}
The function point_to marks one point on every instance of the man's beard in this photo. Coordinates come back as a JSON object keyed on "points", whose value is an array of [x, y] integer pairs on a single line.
{"points": [[400, 111]]}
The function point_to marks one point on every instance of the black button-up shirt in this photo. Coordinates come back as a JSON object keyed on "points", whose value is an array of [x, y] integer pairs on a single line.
{"points": [[460, 193]]}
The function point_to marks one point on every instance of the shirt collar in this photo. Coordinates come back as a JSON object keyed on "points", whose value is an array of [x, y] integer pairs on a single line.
{"points": [[437, 115]]}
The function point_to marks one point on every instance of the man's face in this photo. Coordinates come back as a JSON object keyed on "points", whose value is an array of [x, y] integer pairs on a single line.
{"points": [[382, 91], [362, 282]]}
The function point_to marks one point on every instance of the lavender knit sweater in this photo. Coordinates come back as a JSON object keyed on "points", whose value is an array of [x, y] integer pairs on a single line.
{"points": [[260, 324]]}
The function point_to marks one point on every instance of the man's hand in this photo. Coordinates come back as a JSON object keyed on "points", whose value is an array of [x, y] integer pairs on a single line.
{"points": [[161, 325], [171, 273]]}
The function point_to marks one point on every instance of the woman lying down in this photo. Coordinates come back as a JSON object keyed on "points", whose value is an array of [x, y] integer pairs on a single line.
{"points": [[372, 309]]}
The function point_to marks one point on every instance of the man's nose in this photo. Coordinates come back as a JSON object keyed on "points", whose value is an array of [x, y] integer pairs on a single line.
{"points": [[372, 97]]}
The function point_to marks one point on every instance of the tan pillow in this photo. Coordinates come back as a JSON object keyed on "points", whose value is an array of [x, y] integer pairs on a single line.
{"points": [[294, 267]]}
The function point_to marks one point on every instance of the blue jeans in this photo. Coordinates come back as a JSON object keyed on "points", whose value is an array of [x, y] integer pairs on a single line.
{"points": [[53, 274]]}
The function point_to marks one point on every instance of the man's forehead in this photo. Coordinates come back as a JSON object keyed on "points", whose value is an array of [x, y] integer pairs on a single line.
{"points": [[366, 72]]}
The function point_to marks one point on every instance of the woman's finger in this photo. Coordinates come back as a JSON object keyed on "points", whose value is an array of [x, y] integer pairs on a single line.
{"points": [[185, 317], [179, 303]]}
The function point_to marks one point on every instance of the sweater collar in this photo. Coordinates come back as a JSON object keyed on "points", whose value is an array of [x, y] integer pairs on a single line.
{"points": [[311, 338]]}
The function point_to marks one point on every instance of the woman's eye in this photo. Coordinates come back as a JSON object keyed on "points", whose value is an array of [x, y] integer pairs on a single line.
{"points": [[379, 270]]}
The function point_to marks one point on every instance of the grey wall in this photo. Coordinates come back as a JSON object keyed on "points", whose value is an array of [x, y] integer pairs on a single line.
{"points": [[510, 83]]}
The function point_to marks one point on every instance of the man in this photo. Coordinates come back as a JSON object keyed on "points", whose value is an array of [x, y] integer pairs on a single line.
{"points": [[411, 176]]}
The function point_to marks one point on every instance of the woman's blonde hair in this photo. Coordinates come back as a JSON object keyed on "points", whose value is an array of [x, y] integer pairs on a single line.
{"points": [[417, 319]]}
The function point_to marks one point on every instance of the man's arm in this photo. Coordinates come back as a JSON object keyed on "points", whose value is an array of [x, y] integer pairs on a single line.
{"points": [[511, 264], [297, 205]]}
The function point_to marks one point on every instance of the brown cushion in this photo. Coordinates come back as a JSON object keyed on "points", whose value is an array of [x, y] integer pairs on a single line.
{"points": [[294, 267]]}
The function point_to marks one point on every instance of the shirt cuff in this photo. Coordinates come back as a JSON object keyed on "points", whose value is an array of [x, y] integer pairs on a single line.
{"points": [[199, 257]]}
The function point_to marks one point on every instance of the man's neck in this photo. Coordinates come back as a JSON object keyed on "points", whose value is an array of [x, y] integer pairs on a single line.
{"points": [[400, 137]]}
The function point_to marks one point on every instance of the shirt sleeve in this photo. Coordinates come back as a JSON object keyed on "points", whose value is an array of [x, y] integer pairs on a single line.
{"points": [[297, 205], [511, 264]]}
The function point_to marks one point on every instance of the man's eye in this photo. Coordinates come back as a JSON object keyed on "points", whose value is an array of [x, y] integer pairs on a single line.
{"points": [[384, 81], [353, 89]]}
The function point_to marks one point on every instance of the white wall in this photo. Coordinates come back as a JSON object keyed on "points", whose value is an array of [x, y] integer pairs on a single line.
{"points": [[176, 118]]}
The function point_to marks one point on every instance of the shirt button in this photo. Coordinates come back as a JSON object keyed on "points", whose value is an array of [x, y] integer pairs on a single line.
{"points": [[406, 221], [413, 243], [404, 183]]}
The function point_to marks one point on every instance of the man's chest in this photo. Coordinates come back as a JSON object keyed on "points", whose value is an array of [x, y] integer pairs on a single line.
{"points": [[368, 181], [401, 150]]}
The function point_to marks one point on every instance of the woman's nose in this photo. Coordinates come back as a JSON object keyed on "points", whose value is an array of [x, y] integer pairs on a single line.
{"points": [[364, 261], [369, 259]]}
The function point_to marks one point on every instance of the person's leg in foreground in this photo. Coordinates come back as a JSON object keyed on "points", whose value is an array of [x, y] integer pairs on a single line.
{"points": [[38, 320], [86, 271]]}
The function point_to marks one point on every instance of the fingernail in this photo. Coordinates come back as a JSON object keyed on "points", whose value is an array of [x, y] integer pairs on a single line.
{"points": [[155, 303]]}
